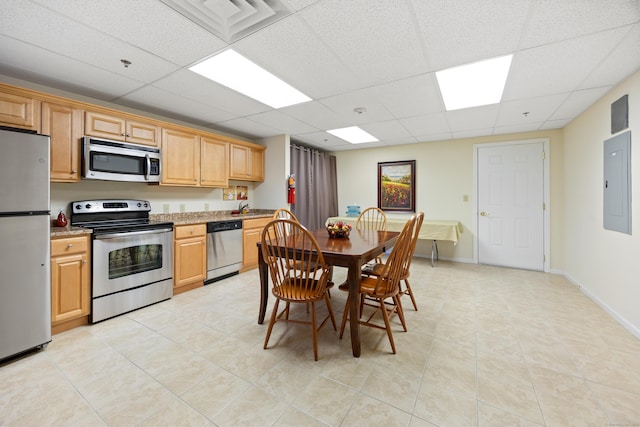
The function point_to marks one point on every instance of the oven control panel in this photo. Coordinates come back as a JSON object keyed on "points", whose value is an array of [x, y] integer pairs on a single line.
{"points": [[98, 206]]}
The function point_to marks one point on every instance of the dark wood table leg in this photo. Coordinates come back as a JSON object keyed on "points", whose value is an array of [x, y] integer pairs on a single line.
{"points": [[353, 277], [263, 270]]}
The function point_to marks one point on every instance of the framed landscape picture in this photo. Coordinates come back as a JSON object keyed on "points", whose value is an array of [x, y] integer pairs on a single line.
{"points": [[397, 186]]}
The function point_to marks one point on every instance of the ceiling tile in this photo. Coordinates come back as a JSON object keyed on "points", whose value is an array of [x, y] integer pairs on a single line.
{"points": [[472, 133], [527, 127], [410, 97], [61, 72], [190, 85], [389, 130], [619, 64], [283, 122], [325, 141], [75, 40], [426, 124], [377, 39], [560, 67], [461, 31], [552, 21], [317, 115], [156, 100], [577, 102], [249, 127], [554, 124], [162, 32], [472, 118], [345, 104], [537, 109], [290, 51]]}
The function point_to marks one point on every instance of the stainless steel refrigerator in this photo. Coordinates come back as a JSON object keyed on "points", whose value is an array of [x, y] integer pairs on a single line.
{"points": [[25, 282]]}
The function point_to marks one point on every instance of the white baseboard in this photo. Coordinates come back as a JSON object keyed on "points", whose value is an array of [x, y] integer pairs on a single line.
{"points": [[620, 319]]}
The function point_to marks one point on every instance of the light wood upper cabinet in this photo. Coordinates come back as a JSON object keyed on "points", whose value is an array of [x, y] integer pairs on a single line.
{"points": [[70, 281], [19, 111], [64, 125], [214, 164], [246, 163], [180, 158], [120, 129]]}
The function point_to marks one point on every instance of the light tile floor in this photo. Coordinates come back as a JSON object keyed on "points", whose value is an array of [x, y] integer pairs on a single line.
{"points": [[488, 347]]}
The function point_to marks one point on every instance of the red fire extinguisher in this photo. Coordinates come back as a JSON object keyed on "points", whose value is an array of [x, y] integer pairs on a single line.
{"points": [[291, 191]]}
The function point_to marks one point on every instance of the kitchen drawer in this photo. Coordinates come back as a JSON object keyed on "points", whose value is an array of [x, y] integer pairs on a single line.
{"points": [[69, 245], [184, 231], [256, 222]]}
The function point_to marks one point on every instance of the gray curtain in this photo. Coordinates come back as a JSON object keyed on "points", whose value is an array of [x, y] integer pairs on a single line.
{"points": [[316, 186]]}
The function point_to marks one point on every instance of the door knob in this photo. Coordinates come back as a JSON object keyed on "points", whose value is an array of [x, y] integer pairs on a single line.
{"points": [[483, 213]]}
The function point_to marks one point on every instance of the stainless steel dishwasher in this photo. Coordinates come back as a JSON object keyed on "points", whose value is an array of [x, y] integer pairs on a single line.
{"points": [[224, 249]]}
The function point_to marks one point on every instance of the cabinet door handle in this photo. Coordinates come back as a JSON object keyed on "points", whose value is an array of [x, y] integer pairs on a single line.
{"points": [[84, 261], [69, 246], [74, 170]]}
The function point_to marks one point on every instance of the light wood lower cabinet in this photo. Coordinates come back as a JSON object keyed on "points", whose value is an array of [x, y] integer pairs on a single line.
{"points": [[70, 282], [190, 257], [251, 235]]}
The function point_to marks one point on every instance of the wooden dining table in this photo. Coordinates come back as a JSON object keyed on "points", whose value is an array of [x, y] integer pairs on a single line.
{"points": [[353, 252]]}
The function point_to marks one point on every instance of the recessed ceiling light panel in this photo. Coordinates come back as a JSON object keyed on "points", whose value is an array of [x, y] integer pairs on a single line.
{"points": [[233, 70], [473, 85], [353, 134]]}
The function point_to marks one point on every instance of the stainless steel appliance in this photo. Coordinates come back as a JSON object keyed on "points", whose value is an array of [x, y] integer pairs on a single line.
{"points": [[132, 256], [119, 161], [25, 281], [224, 249]]}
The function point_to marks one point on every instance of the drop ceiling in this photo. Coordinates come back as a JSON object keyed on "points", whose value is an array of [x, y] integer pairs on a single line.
{"points": [[380, 55]]}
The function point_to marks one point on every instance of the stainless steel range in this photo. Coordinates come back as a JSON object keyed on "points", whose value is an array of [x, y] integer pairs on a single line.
{"points": [[132, 256]]}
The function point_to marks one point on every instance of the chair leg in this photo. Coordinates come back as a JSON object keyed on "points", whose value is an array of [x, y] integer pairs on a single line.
{"points": [[333, 319], [315, 331], [385, 316], [271, 322], [400, 311], [410, 292]]}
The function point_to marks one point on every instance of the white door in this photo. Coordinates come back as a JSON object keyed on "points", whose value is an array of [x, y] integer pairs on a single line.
{"points": [[510, 186]]}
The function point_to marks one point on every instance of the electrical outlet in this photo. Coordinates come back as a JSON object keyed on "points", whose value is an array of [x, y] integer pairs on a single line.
{"points": [[206, 207], [465, 197], [182, 207], [165, 208]]}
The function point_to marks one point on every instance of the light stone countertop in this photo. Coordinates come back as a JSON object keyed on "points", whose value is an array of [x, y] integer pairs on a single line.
{"points": [[185, 218]]}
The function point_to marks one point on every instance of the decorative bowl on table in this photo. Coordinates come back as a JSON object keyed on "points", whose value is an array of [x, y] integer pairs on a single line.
{"points": [[338, 229]]}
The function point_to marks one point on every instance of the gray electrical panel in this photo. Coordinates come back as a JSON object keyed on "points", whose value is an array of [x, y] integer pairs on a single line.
{"points": [[617, 183]]}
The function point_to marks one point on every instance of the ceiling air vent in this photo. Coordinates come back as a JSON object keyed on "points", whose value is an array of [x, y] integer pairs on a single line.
{"points": [[230, 19]]}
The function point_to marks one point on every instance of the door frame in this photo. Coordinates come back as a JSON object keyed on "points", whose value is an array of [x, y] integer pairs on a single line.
{"points": [[546, 195]]}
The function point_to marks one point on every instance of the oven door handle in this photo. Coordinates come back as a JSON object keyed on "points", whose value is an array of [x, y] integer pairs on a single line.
{"points": [[131, 233]]}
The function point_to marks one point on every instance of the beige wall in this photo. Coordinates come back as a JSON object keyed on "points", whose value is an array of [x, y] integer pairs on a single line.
{"points": [[605, 264], [444, 175]]}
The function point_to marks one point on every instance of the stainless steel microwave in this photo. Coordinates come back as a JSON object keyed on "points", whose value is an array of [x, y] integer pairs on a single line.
{"points": [[119, 161]]}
